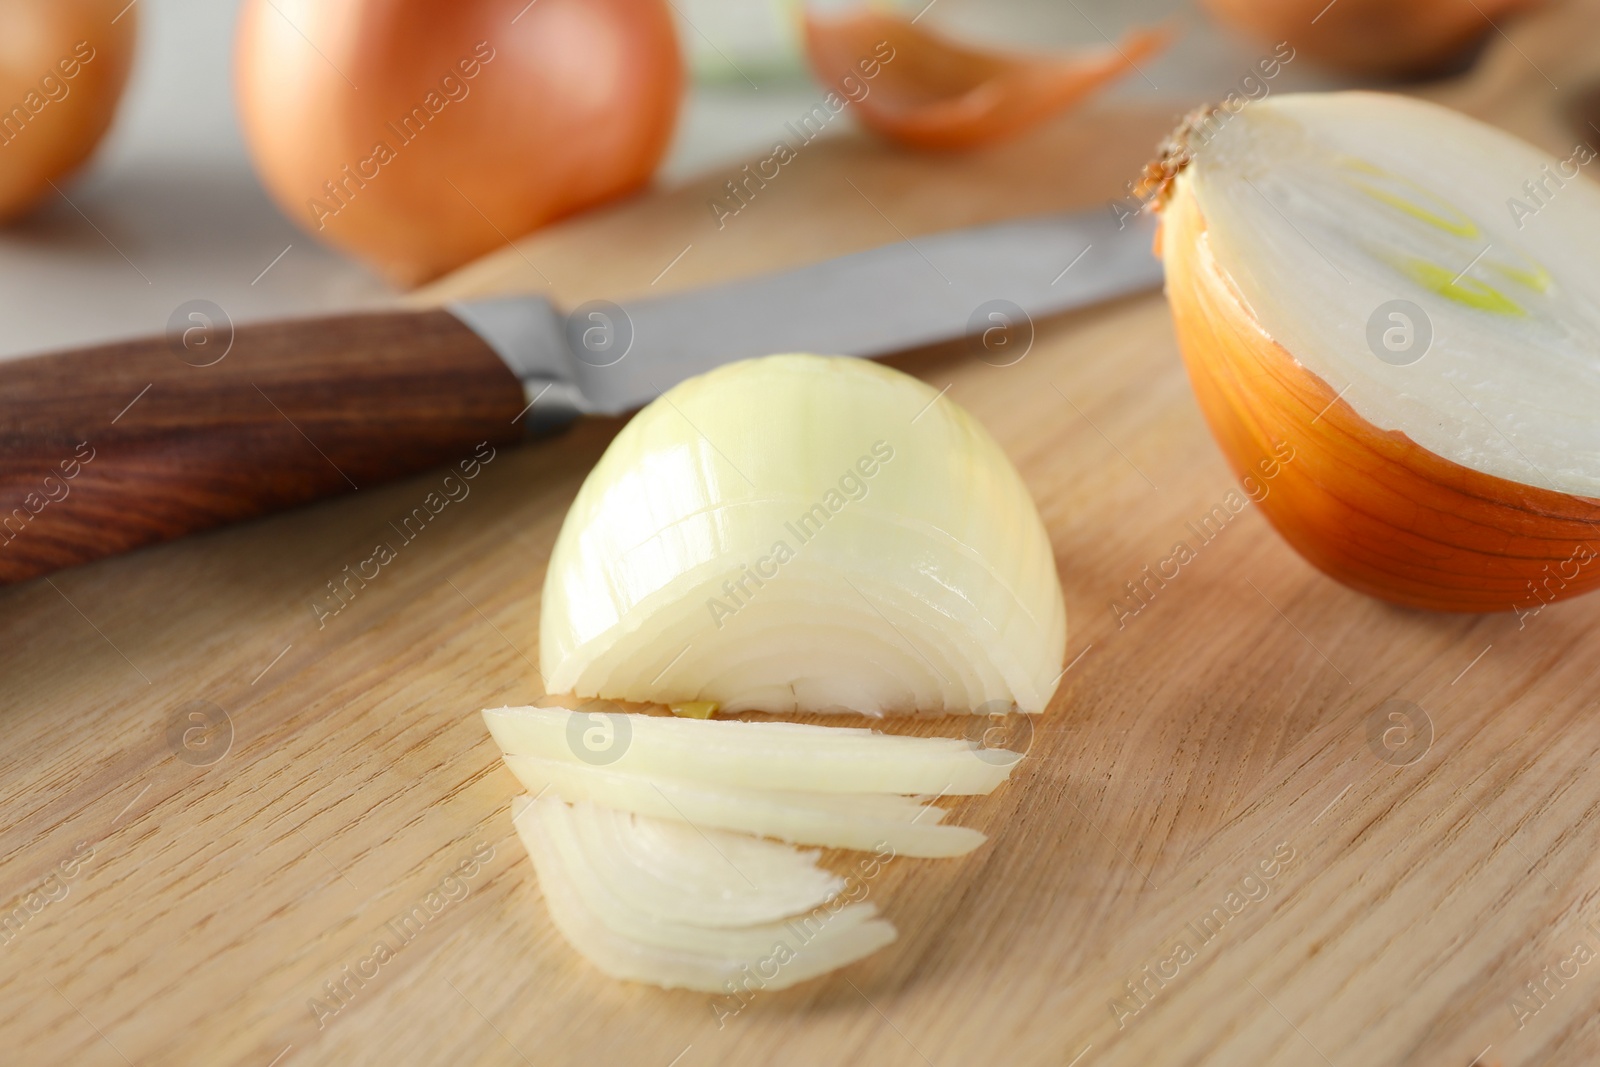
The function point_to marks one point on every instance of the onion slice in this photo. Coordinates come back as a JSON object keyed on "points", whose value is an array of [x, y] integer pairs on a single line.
{"points": [[627, 943], [863, 821], [762, 755], [801, 533], [672, 872]]}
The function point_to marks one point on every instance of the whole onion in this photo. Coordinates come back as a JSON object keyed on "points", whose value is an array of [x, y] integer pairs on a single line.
{"points": [[419, 134], [63, 64], [1375, 38]]}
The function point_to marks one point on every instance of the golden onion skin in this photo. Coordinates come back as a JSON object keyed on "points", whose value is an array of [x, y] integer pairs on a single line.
{"points": [[95, 40], [419, 135], [1367, 506]]}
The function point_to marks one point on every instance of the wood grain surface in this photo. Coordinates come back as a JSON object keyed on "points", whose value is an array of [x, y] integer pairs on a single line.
{"points": [[1266, 820]]}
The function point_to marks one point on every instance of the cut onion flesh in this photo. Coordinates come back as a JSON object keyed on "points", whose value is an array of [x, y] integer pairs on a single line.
{"points": [[1406, 303], [865, 821], [758, 755], [600, 918], [672, 872], [802, 533]]}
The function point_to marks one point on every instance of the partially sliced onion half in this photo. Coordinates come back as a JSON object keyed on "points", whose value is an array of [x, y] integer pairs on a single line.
{"points": [[603, 921], [762, 755], [864, 821], [1391, 316], [805, 533]]}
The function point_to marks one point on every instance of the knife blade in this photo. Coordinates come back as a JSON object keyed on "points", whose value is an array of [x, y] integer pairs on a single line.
{"points": [[608, 359], [106, 449]]}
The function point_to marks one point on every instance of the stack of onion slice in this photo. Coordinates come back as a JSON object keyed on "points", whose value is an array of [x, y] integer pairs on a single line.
{"points": [[756, 755], [1409, 300], [809, 785], [650, 849], [657, 902]]}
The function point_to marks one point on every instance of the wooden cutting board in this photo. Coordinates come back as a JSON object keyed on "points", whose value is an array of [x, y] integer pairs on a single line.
{"points": [[1219, 771]]}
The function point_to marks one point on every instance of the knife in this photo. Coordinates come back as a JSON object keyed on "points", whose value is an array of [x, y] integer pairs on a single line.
{"points": [[108, 448]]}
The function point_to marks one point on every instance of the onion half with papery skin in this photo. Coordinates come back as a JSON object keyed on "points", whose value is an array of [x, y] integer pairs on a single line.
{"points": [[1462, 478], [804, 533], [601, 920]]}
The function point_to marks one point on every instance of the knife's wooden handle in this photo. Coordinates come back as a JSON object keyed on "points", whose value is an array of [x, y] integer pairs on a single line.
{"points": [[109, 448]]}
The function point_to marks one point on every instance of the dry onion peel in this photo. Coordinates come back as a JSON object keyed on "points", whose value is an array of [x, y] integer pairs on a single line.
{"points": [[1465, 480], [765, 755], [626, 943], [934, 93], [864, 821], [805, 533]]}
